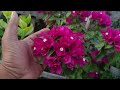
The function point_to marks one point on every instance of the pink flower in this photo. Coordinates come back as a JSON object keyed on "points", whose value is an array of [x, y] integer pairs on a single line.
{"points": [[68, 20]]}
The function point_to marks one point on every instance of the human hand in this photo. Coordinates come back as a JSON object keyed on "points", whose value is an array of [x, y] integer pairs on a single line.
{"points": [[17, 57]]}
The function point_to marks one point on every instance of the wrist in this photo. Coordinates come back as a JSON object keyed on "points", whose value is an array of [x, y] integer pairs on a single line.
{"points": [[5, 74]]}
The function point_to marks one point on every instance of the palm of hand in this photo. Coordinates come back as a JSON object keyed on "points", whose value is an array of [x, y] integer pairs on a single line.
{"points": [[18, 58]]}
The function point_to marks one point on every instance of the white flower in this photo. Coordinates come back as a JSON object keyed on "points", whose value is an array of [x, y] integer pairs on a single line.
{"points": [[61, 49], [44, 40], [106, 33]]}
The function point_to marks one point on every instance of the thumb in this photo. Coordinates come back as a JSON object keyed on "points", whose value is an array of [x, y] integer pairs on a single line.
{"points": [[11, 29]]}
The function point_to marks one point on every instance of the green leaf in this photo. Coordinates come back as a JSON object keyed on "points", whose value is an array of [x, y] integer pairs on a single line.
{"points": [[90, 67], [108, 46], [1, 32], [7, 14], [45, 17], [117, 56], [28, 19], [20, 32], [40, 61], [99, 45], [52, 18], [22, 24], [2, 23], [68, 14], [50, 24], [29, 30], [91, 34], [100, 55], [22, 17], [58, 22]]}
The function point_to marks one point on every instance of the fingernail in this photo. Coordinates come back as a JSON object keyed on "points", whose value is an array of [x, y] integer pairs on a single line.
{"points": [[12, 15]]}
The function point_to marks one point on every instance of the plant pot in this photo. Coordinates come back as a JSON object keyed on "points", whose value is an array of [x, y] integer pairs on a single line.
{"points": [[115, 72], [47, 75]]}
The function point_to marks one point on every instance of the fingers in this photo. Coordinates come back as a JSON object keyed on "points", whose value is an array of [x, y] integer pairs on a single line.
{"points": [[11, 29], [29, 39], [37, 33]]}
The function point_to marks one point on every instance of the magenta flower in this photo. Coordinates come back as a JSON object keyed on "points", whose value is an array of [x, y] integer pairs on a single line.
{"points": [[75, 13], [84, 15], [108, 35], [42, 45], [36, 49], [94, 60], [67, 59], [49, 60], [71, 64], [95, 52], [102, 18], [60, 46], [105, 60], [56, 68], [59, 31], [93, 75], [81, 62], [59, 49], [117, 45], [93, 55], [54, 64], [116, 35], [95, 15], [68, 20], [106, 21]]}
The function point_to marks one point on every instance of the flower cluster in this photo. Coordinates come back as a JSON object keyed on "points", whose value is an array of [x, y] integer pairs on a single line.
{"points": [[100, 16], [112, 36], [63, 48], [60, 46]]}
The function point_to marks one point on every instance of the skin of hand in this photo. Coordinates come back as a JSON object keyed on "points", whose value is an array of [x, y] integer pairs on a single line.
{"points": [[18, 61]]}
